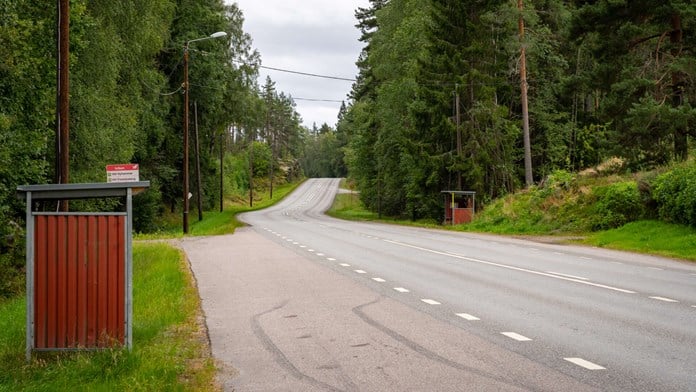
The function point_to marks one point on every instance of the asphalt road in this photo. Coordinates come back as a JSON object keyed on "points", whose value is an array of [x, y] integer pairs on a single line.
{"points": [[385, 307]]}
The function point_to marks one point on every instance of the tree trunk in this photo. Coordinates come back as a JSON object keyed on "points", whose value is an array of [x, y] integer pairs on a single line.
{"points": [[681, 147], [529, 179]]}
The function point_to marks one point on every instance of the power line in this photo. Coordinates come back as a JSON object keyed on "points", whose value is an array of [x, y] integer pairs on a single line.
{"points": [[316, 100], [307, 74], [296, 72]]}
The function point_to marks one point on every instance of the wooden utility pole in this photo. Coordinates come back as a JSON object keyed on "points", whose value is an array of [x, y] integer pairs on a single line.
{"points": [[251, 169], [186, 140], [529, 179], [223, 142], [198, 163], [63, 113], [459, 137]]}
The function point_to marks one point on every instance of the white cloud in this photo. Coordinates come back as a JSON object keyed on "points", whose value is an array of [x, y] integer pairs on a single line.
{"points": [[313, 36]]}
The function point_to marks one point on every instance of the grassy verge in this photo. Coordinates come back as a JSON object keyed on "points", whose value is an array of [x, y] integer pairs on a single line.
{"points": [[652, 237], [648, 236], [349, 207], [216, 222], [169, 349]]}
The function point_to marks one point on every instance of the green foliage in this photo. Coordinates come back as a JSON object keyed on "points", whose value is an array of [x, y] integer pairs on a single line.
{"points": [[675, 194], [616, 205], [323, 156], [634, 64], [166, 338]]}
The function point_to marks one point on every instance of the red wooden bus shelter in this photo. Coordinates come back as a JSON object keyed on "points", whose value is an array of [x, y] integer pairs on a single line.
{"points": [[460, 206], [79, 269]]}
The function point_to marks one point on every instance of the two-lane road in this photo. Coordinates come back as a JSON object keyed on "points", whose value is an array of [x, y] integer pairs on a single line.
{"points": [[613, 320]]}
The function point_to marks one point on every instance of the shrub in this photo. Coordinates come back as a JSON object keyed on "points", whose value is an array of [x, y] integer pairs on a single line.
{"points": [[554, 183], [616, 205], [675, 194]]}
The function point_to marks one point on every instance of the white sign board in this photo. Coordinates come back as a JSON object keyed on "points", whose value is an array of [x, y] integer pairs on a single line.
{"points": [[123, 173]]}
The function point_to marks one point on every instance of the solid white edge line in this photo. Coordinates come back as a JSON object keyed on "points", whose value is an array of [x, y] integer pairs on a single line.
{"points": [[586, 364], [511, 267], [566, 275], [664, 299], [401, 290], [467, 316], [430, 301], [516, 336]]}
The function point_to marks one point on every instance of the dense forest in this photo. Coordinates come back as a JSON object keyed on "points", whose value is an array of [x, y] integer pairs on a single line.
{"points": [[126, 105], [443, 95], [438, 101]]}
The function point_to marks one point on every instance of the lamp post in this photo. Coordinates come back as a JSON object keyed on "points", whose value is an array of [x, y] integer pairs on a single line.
{"points": [[186, 124]]}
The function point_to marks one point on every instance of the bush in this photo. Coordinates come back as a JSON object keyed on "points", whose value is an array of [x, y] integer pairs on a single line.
{"points": [[554, 184], [11, 259], [616, 205], [675, 194]]}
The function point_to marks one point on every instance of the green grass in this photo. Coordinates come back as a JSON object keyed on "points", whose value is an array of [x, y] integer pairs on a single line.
{"points": [[169, 349], [216, 222], [348, 206], [519, 215], [652, 237]]}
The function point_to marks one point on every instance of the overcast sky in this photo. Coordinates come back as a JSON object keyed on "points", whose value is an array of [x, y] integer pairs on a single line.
{"points": [[311, 36]]}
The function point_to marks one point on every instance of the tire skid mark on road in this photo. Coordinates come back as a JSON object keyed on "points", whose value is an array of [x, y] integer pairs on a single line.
{"points": [[283, 360], [431, 355]]}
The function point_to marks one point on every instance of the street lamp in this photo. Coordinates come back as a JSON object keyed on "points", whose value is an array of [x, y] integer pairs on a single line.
{"points": [[186, 123]]}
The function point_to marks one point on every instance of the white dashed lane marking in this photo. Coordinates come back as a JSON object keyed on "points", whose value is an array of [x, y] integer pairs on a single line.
{"points": [[380, 280], [360, 271], [330, 259], [344, 265], [467, 316], [516, 336], [656, 269], [401, 289], [664, 299], [430, 301], [586, 364]]}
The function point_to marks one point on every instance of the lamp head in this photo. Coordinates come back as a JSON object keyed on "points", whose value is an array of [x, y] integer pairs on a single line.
{"points": [[218, 34]]}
